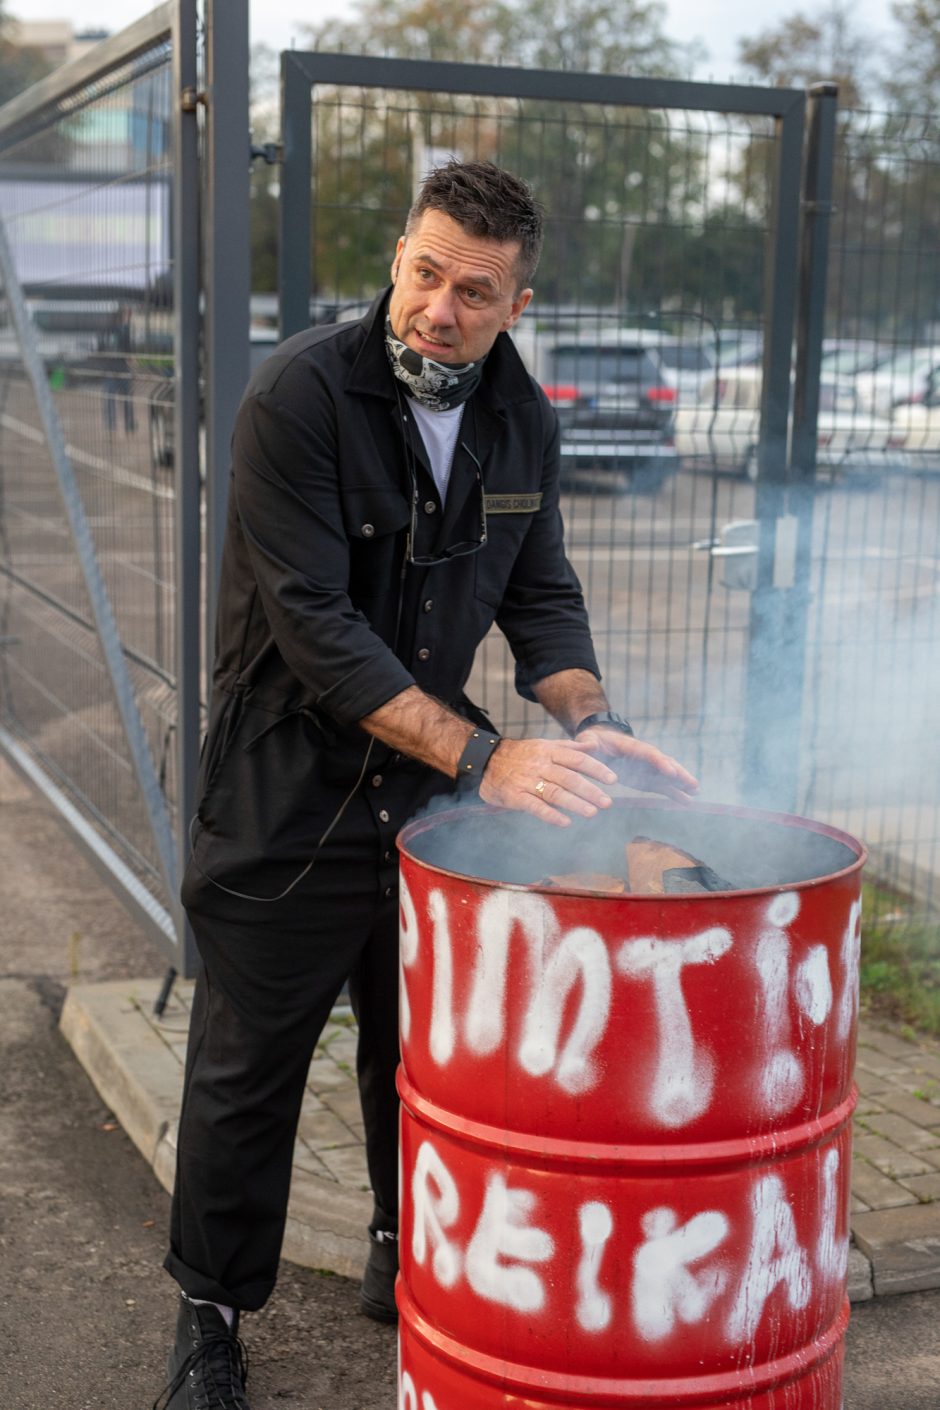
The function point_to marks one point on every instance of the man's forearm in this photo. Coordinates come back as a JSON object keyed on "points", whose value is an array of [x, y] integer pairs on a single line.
{"points": [[570, 696], [418, 725]]}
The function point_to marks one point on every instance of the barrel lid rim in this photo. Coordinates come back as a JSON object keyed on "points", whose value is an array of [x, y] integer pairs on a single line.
{"points": [[419, 825]]}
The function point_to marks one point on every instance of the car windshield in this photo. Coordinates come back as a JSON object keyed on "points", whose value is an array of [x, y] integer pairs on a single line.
{"points": [[847, 361], [597, 366], [685, 357], [908, 361], [836, 396]]}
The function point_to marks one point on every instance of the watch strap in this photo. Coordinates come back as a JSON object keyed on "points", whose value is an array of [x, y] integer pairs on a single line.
{"points": [[607, 719]]}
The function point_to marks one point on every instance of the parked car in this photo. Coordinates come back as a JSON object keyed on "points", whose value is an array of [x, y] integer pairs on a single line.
{"points": [[903, 377], [847, 357], [917, 425], [615, 402], [69, 335], [722, 432], [684, 364]]}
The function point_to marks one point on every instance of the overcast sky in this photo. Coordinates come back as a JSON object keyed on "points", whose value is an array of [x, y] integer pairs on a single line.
{"points": [[717, 24]]}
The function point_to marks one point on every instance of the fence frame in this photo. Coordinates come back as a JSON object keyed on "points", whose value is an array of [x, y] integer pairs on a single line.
{"points": [[176, 23], [770, 775], [212, 221]]}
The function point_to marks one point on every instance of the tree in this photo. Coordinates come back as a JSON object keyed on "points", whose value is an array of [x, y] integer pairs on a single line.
{"points": [[886, 194], [802, 50], [19, 67], [597, 36], [914, 82], [603, 172], [264, 178]]}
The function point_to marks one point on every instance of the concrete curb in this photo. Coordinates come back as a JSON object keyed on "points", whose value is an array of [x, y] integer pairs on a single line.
{"points": [[139, 1076], [136, 1063]]}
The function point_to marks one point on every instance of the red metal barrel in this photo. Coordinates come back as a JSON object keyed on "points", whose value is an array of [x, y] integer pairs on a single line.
{"points": [[625, 1119]]}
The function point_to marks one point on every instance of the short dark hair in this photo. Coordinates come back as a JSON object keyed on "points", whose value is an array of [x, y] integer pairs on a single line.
{"points": [[487, 202]]}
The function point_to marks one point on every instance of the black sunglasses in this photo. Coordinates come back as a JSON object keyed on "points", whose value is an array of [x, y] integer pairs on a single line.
{"points": [[455, 550]]}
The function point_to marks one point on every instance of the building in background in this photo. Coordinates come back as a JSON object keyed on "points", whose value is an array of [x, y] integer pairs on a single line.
{"points": [[56, 40], [105, 177]]}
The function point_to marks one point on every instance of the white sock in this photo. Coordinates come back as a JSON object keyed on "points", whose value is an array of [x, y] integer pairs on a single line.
{"points": [[227, 1312]]}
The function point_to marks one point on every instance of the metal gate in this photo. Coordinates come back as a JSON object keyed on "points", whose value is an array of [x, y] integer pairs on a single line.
{"points": [[761, 609], [673, 226], [101, 538]]}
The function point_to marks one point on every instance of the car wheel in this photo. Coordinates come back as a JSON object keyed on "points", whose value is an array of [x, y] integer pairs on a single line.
{"points": [[161, 448]]}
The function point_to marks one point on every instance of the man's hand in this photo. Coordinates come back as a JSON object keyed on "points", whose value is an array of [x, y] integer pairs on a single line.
{"points": [[548, 778], [638, 764]]}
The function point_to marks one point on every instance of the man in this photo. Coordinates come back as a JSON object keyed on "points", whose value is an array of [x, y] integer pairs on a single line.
{"points": [[395, 491]]}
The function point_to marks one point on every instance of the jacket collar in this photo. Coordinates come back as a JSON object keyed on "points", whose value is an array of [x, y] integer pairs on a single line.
{"points": [[505, 379]]}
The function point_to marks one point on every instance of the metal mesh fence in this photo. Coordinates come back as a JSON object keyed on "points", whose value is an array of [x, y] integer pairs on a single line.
{"points": [[85, 197], [648, 306], [872, 756], [646, 331]]}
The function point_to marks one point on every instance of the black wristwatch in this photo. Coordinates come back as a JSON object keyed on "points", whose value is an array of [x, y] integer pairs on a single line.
{"points": [[607, 719]]}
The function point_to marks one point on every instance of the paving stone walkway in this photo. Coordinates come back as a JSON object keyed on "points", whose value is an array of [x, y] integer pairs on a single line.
{"points": [[136, 1062]]}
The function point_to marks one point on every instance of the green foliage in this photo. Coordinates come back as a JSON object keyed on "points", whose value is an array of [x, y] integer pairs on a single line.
{"points": [[597, 170], [805, 49], [900, 969], [599, 36], [913, 81]]}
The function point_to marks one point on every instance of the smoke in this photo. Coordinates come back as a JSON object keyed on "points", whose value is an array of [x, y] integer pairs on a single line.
{"points": [[834, 719], [515, 848]]}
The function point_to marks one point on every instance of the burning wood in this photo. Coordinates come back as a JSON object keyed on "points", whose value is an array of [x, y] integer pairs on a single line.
{"points": [[659, 869], [653, 869]]}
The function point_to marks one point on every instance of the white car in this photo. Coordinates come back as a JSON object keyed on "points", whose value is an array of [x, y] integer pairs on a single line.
{"points": [[917, 425], [723, 430], [904, 377]]}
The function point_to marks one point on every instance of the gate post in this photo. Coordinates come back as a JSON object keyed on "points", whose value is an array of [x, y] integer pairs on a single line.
{"points": [[227, 265], [778, 611], [186, 438]]}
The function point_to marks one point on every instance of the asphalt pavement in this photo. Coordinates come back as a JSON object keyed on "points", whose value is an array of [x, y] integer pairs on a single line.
{"points": [[85, 1309]]}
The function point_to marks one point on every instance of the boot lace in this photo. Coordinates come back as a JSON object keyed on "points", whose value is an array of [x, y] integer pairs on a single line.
{"points": [[217, 1370]]}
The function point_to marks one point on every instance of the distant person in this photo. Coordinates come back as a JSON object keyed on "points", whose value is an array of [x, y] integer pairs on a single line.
{"points": [[395, 492], [118, 384]]}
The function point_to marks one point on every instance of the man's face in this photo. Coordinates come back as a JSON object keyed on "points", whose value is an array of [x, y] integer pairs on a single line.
{"points": [[453, 292]]}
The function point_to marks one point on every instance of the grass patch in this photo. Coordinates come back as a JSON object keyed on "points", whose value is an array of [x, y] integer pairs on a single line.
{"points": [[900, 971]]}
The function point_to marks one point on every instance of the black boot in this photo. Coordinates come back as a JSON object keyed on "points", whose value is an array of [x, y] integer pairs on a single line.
{"points": [[208, 1366], [377, 1298]]}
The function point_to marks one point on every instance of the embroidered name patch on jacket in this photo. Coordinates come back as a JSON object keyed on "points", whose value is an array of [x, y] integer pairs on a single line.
{"points": [[513, 503]]}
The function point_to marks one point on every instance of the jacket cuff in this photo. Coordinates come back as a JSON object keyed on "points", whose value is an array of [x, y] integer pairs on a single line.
{"points": [[367, 688]]}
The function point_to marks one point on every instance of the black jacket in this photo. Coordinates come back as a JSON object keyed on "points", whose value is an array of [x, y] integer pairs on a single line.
{"points": [[318, 624]]}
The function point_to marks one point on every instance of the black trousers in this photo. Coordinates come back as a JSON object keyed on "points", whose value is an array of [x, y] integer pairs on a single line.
{"points": [[271, 974]]}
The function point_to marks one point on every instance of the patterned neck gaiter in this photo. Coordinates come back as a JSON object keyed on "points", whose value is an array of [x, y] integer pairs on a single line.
{"points": [[434, 384]]}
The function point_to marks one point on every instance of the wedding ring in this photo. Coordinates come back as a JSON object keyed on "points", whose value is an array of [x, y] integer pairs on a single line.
{"points": [[540, 787]]}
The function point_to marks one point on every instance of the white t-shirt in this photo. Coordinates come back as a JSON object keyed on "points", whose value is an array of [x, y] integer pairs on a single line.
{"points": [[439, 431]]}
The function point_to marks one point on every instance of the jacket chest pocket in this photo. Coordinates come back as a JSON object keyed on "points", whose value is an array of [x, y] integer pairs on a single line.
{"points": [[505, 534], [374, 512]]}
